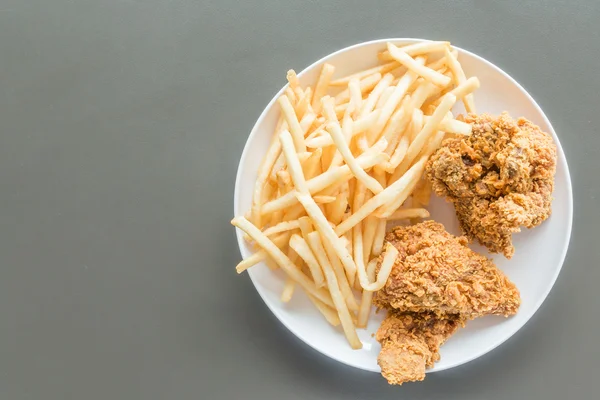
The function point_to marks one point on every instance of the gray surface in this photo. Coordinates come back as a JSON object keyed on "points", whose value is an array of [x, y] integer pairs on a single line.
{"points": [[122, 124]]}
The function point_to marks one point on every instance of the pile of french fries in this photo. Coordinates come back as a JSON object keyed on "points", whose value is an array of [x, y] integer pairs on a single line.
{"points": [[345, 156]]}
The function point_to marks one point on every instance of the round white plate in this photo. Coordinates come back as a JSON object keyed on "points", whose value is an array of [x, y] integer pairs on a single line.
{"points": [[539, 255]]}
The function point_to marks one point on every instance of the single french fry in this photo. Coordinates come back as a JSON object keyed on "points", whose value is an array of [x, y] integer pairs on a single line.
{"points": [[369, 229], [417, 123], [380, 69], [367, 297], [389, 259], [324, 199], [416, 49], [322, 85], [293, 79], [355, 96], [290, 285], [319, 141], [357, 230], [282, 260], [300, 246], [282, 227], [450, 125], [379, 239], [379, 236], [292, 120], [419, 69], [408, 213], [346, 126], [334, 288]]}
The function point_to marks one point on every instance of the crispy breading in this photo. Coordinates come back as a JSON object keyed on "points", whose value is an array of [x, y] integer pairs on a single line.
{"points": [[436, 272], [499, 178], [410, 343]]}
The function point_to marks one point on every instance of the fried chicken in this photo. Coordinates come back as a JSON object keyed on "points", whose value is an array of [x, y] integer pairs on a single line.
{"points": [[499, 178], [410, 343], [436, 272]]}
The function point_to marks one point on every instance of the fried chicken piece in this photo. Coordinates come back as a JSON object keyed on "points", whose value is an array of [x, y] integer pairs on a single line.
{"points": [[436, 272], [499, 178], [410, 343]]}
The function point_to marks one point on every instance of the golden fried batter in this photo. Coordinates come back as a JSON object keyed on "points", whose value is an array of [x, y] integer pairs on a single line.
{"points": [[499, 178], [436, 272], [410, 343]]}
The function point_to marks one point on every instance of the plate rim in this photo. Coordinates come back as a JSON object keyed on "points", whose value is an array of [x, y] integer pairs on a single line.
{"points": [[561, 156]]}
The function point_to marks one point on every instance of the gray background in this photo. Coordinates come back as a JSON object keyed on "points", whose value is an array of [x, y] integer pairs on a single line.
{"points": [[122, 122]]}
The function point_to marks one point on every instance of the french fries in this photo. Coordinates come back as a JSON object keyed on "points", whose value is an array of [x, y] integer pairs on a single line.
{"points": [[345, 156], [427, 73]]}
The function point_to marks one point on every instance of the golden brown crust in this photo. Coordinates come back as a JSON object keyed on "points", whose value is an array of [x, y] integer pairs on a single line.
{"points": [[436, 272], [410, 343], [499, 178]]}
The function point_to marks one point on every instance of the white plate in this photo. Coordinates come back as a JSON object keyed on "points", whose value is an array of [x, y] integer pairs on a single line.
{"points": [[539, 255]]}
